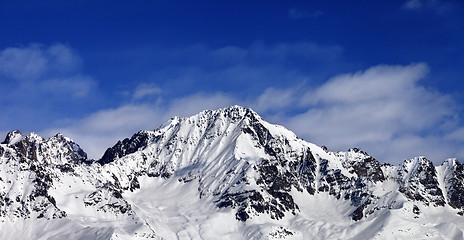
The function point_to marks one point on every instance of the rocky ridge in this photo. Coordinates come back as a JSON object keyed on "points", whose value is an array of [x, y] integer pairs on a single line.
{"points": [[238, 161]]}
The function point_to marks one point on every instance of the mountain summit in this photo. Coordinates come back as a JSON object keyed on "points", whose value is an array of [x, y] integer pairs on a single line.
{"points": [[223, 174]]}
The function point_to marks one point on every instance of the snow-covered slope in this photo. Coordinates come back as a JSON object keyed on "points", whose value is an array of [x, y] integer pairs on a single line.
{"points": [[223, 174]]}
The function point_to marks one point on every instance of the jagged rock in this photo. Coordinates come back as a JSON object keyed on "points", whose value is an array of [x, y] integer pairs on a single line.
{"points": [[455, 183], [418, 181], [364, 165], [127, 146], [232, 157]]}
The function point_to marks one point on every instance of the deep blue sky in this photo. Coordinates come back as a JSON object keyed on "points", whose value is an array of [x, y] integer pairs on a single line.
{"points": [[64, 66]]}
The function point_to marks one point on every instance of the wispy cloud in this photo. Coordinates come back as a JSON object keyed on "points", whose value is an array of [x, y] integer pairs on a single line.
{"points": [[146, 89], [104, 128], [439, 6], [49, 69], [456, 134], [23, 63], [383, 109], [295, 13], [252, 68], [376, 109], [41, 80], [78, 86], [413, 4], [274, 99], [35, 61], [54, 82]]}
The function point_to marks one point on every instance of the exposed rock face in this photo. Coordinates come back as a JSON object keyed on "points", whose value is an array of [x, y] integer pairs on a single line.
{"points": [[454, 181], [280, 163], [56, 150], [127, 146], [361, 163], [238, 160], [29, 166], [418, 181]]}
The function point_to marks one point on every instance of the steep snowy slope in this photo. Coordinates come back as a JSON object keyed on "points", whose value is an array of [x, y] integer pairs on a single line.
{"points": [[224, 174]]}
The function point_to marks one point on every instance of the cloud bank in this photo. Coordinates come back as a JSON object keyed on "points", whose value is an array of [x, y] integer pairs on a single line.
{"points": [[38, 70], [384, 109], [104, 128], [39, 81]]}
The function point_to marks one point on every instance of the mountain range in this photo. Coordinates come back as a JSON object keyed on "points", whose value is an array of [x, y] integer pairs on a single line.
{"points": [[221, 174]]}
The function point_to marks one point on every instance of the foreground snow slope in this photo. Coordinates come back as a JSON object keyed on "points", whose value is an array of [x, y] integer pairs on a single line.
{"points": [[224, 174]]}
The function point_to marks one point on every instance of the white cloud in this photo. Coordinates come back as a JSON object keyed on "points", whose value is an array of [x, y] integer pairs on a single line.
{"points": [[439, 6], [383, 110], [253, 68], [104, 128], [39, 70], [35, 61], [377, 109], [457, 134], [273, 99], [23, 63], [195, 103], [407, 146], [119, 119], [146, 89], [62, 58], [413, 4], [376, 83], [229, 54], [43, 83], [3, 135], [76, 86], [288, 51]]}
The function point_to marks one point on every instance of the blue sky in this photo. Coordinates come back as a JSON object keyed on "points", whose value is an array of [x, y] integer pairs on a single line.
{"points": [[385, 76]]}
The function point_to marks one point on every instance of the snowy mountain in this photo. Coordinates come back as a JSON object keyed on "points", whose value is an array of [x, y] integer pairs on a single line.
{"points": [[224, 174]]}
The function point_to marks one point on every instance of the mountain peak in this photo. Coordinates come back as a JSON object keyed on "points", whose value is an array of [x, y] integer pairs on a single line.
{"points": [[13, 137], [57, 149], [232, 112], [204, 125], [450, 162], [34, 137], [16, 136], [226, 159]]}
